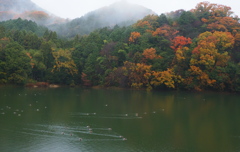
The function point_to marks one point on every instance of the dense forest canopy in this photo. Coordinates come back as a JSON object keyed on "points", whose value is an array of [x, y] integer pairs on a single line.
{"points": [[194, 50]]}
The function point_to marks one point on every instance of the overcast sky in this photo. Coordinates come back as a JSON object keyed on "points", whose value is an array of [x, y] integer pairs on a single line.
{"points": [[77, 8]]}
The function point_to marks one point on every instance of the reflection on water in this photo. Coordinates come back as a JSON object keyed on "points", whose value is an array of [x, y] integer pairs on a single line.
{"points": [[73, 119]]}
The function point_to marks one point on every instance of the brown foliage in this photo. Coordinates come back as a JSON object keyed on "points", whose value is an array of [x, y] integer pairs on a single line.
{"points": [[166, 31], [215, 9]]}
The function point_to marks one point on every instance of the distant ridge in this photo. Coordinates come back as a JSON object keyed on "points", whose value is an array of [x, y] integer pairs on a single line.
{"points": [[18, 6], [26, 9], [120, 13]]}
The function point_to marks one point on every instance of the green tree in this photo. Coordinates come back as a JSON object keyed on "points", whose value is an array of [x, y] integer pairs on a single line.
{"points": [[162, 20], [17, 63]]}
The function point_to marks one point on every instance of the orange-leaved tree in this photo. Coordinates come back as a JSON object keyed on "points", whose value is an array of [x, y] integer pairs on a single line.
{"points": [[219, 18], [150, 54], [166, 31], [179, 41], [147, 24], [213, 9], [134, 37]]}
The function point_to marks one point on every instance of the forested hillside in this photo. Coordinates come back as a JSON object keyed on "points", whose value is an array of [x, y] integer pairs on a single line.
{"points": [[194, 50], [120, 13]]}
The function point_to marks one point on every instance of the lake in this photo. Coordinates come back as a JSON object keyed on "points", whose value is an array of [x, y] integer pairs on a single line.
{"points": [[105, 120]]}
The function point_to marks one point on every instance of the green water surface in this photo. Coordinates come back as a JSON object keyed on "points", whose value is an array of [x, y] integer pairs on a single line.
{"points": [[105, 120]]}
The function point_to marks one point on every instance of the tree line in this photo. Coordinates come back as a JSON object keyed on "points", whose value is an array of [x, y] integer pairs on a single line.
{"points": [[194, 50]]}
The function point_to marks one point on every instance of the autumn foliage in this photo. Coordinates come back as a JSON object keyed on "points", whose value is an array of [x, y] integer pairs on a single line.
{"points": [[63, 61], [150, 54], [166, 31], [134, 37], [194, 50], [167, 78], [180, 41]]}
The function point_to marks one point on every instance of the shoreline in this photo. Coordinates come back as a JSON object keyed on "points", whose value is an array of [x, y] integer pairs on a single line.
{"points": [[55, 86]]}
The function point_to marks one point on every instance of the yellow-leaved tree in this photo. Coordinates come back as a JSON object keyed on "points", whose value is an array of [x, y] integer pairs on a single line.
{"points": [[211, 53], [63, 61], [167, 78], [138, 74]]}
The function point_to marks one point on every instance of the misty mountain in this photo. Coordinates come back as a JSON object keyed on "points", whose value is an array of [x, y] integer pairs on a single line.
{"points": [[120, 13], [26, 9], [18, 6]]}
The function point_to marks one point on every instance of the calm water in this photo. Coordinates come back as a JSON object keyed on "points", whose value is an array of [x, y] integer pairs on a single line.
{"points": [[90, 120]]}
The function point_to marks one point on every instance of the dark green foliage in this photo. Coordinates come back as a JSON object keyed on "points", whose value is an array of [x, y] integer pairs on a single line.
{"points": [[20, 25], [2, 31], [188, 24], [163, 20], [17, 64]]}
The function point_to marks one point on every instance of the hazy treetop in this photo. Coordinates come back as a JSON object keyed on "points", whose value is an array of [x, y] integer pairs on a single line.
{"points": [[77, 8]]}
